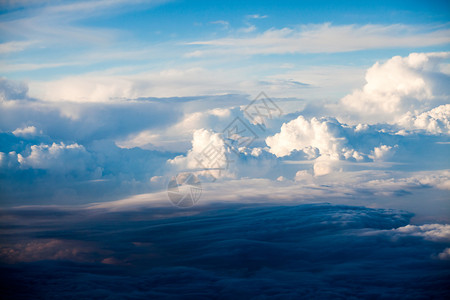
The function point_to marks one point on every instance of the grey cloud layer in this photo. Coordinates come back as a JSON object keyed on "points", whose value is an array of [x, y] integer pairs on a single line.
{"points": [[221, 251]]}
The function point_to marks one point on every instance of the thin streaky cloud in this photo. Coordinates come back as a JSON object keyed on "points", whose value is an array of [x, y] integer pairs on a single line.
{"points": [[256, 16], [324, 38]]}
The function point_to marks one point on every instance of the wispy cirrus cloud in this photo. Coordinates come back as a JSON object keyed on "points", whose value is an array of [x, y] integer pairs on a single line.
{"points": [[225, 24], [325, 38], [256, 16], [14, 46], [55, 23]]}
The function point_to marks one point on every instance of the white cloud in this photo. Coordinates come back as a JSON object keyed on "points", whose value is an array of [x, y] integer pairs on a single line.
{"points": [[324, 165], [431, 232], [14, 46], [401, 85], [256, 16], [53, 22], [56, 157], [248, 29], [303, 177], [256, 152], [317, 137], [383, 152], [434, 121], [311, 83], [107, 87], [225, 24], [326, 38], [209, 155], [440, 180], [26, 131]]}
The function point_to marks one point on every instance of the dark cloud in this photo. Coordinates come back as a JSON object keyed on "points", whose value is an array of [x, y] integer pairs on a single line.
{"points": [[221, 252]]}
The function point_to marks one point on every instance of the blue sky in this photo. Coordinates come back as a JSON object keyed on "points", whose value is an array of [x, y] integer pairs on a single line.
{"points": [[326, 121], [52, 40]]}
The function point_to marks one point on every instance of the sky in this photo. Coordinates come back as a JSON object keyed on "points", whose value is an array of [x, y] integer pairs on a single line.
{"points": [[305, 112]]}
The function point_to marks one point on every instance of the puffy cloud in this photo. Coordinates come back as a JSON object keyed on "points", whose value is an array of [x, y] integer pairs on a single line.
{"points": [[209, 154], [382, 153], [434, 121], [324, 139], [56, 157], [445, 255], [324, 165], [29, 130], [431, 232], [413, 84], [304, 177], [314, 137]]}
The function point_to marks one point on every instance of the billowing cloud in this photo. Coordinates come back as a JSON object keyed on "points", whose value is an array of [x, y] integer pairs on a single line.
{"points": [[57, 157], [26, 131], [317, 138], [432, 232], [402, 85], [209, 153], [324, 136], [434, 121]]}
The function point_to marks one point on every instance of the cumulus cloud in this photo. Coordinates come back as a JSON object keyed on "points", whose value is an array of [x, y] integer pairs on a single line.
{"points": [[314, 137], [56, 157], [435, 121], [432, 232], [383, 152], [209, 154], [29, 130], [302, 176], [325, 140], [401, 85]]}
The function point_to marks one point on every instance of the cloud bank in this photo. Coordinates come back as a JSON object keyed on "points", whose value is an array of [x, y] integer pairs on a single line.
{"points": [[314, 251]]}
